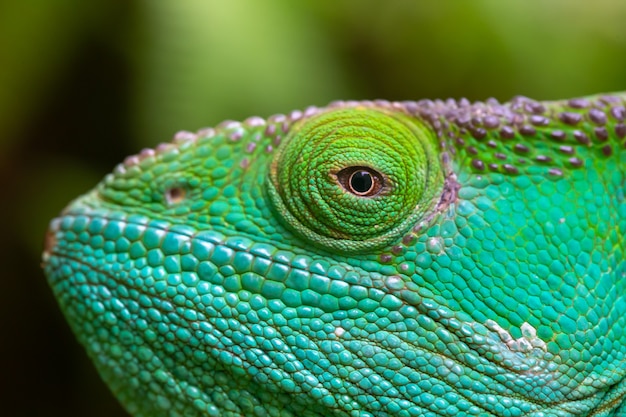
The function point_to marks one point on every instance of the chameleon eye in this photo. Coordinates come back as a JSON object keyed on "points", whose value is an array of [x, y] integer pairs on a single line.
{"points": [[361, 181], [354, 179]]}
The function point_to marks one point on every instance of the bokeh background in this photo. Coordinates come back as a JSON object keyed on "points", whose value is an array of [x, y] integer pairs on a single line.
{"points": [[85, 83]]}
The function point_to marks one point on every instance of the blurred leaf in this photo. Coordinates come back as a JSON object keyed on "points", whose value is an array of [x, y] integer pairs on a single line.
{"points": [[37, 38], [410, 49], [562, 46], [205, 61]]}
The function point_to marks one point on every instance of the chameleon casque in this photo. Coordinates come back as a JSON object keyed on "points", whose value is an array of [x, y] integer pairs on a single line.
{"points": [[373, 258]]}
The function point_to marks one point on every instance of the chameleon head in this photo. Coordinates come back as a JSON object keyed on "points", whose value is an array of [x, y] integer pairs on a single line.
{"points": [[342, 261]]}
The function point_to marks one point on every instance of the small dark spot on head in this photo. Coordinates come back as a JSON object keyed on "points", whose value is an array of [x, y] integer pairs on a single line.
{"points": [[492, 144], [385, 258], [270, 130], [556, 172], [610, 99], [517, 102], [472, 150], [463, 120], [408, 239], [620, 130], [618, 113], [558, 135], [510, 169], [607, 150], [427, 103], [296, 115], [601, 133], [534, 107], [279, 118], [411, 106], [543, 158], [163, 147], [479, 133], [131, 160], [146, 153], [494, 167], [539, 120], [597, 116], [527, 130], [581, 137], [184, 135], [521, 148], [478, 164], [310, 111], [517, 119], [570, 118], [577, 162], [493, 102], [507, 132], [491, 121], [397, 249], [566, 149], [500, 155], [228, 124], [578, 103]]}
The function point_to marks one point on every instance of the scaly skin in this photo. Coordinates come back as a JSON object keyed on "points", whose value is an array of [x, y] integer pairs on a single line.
{"points": [[363, 259]]}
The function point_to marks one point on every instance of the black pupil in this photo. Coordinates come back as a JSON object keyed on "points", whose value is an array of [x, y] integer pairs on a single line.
{"points": [[361, 181]]}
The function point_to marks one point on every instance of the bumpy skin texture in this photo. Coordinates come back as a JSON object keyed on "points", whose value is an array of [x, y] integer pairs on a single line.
{"points": [[475, 264]]}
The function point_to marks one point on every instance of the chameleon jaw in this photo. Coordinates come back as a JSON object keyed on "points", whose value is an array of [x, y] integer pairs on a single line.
{"points": [[198, 326]]}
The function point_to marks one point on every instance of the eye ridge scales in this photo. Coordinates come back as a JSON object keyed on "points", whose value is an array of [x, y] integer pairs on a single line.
{"points": [[372, 258], [322, 212]]}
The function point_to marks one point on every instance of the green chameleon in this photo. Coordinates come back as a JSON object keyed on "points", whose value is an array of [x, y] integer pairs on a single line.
{"points": [[373, 258]]}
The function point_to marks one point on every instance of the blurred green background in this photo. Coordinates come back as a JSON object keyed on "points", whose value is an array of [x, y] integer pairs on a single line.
{"points": [[85, 83]]}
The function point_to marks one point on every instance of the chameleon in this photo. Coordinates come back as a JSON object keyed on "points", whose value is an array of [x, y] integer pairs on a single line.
{"points": [[366, 258]]}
